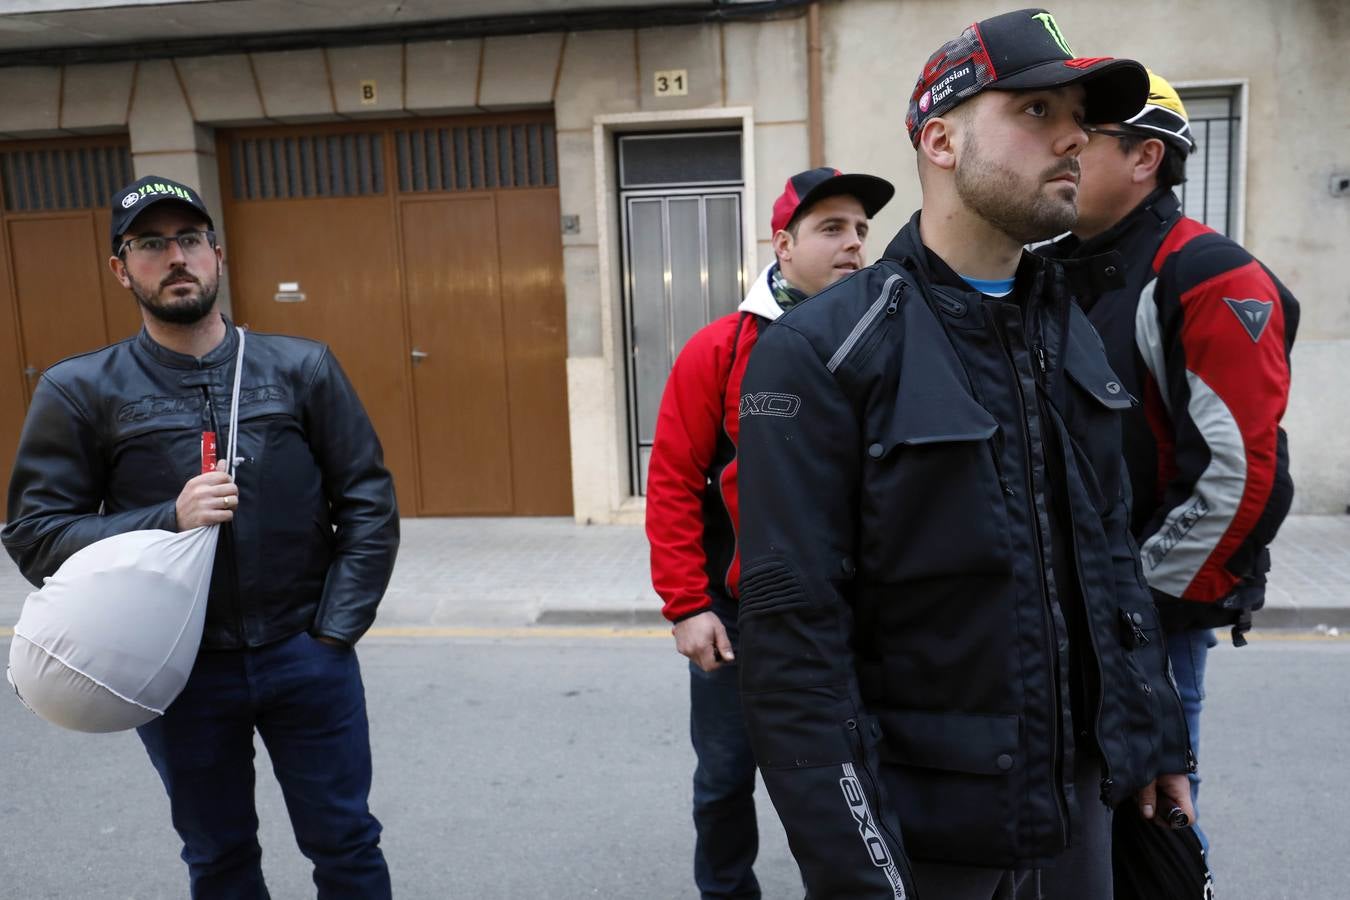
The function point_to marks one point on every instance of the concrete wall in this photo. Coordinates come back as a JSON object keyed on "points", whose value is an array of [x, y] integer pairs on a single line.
{"points": [[1291, 55], [170, 110]]}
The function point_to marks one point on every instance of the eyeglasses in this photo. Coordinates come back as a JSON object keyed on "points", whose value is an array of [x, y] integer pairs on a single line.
{"points": [[1093, 129], [190, 242]]}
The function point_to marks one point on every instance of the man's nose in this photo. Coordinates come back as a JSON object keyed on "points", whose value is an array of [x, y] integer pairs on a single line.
{"points": [[1073, 140], [175, 254]]}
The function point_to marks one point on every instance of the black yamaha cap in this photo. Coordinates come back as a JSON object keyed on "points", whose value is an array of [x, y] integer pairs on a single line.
{"points": [[1020, 51], [140, 195]]}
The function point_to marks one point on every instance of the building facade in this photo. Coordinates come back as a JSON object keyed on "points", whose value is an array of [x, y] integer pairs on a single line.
{"points": [[506, 227]]}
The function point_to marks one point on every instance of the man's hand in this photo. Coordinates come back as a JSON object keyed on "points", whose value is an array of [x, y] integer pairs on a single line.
{"points": [[208, 499], [703, 638], [1167, 792]]}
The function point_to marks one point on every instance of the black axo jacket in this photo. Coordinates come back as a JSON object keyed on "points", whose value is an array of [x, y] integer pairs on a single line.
{"points": [[112, 436], [904, 656]]}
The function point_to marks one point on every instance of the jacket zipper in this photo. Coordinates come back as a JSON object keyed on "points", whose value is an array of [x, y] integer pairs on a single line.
{"points": [[862, 771], [885, 301], [1047, 620]]}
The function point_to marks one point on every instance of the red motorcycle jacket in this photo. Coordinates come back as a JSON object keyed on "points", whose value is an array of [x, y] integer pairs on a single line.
{"points": [[1202, 334], [692, 512]]}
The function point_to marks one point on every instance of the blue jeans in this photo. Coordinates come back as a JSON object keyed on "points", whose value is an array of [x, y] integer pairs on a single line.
{"points": [[1188, 652], [306, 700], [724, 786]]}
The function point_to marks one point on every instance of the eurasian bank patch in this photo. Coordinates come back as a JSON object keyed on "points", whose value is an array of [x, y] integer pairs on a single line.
{"points": [[954, 81]]}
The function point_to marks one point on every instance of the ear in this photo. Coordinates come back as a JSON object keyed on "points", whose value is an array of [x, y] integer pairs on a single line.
{"points": [[1148, 157], [782, 245], [119, 270], [938, 142]]}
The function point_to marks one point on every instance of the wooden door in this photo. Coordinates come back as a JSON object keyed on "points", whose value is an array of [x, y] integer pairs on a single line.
{"points": [[60, 306], [57, 295], [429, 257], [340, 256], [535, 324]]}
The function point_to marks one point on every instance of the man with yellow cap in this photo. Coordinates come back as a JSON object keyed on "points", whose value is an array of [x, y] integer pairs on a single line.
{"points": [[1201, 333]]}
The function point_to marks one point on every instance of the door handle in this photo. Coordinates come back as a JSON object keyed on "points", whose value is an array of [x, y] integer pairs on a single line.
{"points": [[418, 355], [30, 372]]}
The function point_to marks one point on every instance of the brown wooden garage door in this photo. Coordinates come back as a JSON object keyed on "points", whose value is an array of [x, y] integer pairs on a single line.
{"points": [[57, 295], [427, 254]]}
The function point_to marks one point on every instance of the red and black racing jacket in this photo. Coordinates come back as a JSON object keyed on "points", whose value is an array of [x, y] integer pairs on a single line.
{"points": [[1202, 333], [692, 513]]}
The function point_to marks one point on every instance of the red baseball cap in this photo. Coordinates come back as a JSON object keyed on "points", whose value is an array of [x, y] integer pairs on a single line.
{"points": [[807, 188]]}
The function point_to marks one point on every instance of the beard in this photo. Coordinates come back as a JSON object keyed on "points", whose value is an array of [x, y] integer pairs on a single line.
{"points": [[178, 310], [1008, 201]]}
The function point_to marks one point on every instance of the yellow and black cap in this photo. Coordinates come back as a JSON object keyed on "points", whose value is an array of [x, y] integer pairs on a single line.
{"points": [[1163, 116], [1021, 51]]}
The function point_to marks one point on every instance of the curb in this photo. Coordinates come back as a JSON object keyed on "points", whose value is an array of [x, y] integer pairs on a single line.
{"points": [[1281, 617], [644, 616], [1302, 617]]}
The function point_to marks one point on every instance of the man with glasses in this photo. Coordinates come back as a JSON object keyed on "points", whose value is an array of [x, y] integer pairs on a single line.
{"points": [[1201, 332], [113, 442]]}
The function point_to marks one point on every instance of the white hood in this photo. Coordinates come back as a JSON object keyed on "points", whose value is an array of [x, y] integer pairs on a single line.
{"points": [[759, 299]]}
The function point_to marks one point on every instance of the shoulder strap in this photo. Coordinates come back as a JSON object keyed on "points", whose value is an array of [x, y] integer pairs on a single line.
{"points": [[233, 444]]}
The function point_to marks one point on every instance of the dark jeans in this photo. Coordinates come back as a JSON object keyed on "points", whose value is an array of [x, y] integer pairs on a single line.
{"points": [[306, 700], [724, 786]]}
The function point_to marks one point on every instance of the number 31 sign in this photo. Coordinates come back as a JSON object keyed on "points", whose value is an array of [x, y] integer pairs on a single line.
{"points": [[672, 83]]}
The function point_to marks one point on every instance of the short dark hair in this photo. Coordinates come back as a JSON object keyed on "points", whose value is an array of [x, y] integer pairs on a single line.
{"points": [[1171, 171]]}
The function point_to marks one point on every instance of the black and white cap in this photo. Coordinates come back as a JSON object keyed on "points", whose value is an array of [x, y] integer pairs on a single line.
{"points": [[140, 195]]}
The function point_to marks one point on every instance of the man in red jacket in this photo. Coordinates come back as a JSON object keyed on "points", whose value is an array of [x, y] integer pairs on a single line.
{"points": [[1201, 332], [819, 228]]}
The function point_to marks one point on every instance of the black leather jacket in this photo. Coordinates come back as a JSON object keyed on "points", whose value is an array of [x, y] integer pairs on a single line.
{"points": [[905, 658], [112, 436]]}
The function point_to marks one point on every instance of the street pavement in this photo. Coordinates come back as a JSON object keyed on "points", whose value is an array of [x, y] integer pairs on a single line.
{"points": [[529, 721], [552, 571], [554, 763]]}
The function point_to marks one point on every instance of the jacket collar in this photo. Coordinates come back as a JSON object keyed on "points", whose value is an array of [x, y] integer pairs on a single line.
{"points": [[759, 299], [907, 248], [1086, 277], [1148, 221], [222, 353]]}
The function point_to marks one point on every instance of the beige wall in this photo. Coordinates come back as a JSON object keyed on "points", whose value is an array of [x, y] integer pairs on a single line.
{"points": [[1291, 53], [170, 109], [1293, 56]]}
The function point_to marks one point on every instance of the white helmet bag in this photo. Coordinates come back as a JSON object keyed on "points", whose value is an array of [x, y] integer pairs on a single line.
{"points": [[109, 641]]}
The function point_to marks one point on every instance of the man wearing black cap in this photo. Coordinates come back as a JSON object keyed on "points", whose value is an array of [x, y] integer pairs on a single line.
{"points": [[950, 663], [115, 441], [1202, 332], [819, 227]]}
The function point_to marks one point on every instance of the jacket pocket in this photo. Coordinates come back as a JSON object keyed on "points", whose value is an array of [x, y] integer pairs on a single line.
{"points": [[960, 775], [931, 501]]}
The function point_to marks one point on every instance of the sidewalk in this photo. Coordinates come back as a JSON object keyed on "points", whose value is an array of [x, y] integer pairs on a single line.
{"points": [[515, 572]]}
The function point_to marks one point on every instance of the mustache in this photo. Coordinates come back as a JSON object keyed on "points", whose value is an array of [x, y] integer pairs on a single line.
{"points": [[1067, 167], [180, 278]]}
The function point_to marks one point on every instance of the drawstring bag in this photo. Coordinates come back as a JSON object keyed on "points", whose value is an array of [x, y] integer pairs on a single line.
{"points": [[109, 641]]}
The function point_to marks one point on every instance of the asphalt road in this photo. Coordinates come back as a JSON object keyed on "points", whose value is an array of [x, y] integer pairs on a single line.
{"points": [[529, 764]]}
